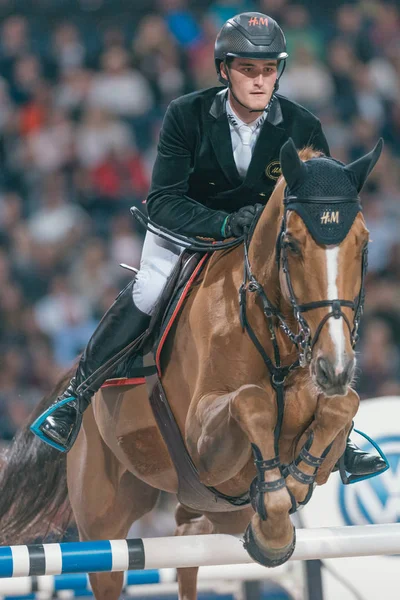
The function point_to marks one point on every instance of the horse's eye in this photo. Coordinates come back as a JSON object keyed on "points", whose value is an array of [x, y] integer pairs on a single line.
{"points": [[292, 246]]}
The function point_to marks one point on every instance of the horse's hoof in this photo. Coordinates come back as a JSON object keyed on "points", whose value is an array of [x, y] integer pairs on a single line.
{"points": [[267, 557]]}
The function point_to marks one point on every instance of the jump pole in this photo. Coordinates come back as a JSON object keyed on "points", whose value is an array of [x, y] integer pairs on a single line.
{"points": [[189, 551], [79, 582]]}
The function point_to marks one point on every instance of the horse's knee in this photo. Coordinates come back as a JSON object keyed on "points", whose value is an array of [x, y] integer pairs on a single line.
{"points": [[250, 402], [185, 515]]}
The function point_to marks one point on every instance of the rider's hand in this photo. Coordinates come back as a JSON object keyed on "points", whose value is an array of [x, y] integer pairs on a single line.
{"points": [[238, 223]]}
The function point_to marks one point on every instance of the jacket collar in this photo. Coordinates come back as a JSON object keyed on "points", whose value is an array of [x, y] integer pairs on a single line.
{"points": [[218, 108]]}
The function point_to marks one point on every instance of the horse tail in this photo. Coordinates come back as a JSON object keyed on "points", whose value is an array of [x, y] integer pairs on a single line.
{"points": [[33, 481]]}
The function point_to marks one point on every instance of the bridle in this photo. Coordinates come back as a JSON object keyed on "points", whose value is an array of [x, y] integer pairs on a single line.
{"points": [[304, 343], [303, 340]]}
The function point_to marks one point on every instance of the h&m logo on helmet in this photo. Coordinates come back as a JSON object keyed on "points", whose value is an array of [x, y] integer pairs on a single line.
{"points": [[329, 216], [258, 21]]}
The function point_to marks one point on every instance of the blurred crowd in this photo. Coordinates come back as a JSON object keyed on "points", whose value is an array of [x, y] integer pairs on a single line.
{"points": [[83, 89]]}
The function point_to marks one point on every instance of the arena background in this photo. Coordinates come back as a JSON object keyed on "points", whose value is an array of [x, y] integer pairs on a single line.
{"points": [[83, 89]]}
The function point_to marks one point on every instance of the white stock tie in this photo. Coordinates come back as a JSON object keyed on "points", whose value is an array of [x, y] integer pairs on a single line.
{"points": [[243, 151]]}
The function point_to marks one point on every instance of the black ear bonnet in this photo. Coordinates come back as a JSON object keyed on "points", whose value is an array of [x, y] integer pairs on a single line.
{"points": [[324, 191], [326, 200]]}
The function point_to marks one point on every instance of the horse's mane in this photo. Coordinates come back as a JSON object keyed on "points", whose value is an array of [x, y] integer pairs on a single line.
{"points": [[308, 152]]}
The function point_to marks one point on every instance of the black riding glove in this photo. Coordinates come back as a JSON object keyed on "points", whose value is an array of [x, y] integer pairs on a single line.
{"points": [[239, 222]]}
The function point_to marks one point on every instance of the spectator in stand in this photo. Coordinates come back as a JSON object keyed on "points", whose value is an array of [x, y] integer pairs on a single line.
{"points": [[118, 88], [57, 223], [317, 95], [50, 148], [300, 31], [379, 360], [351, 29], [181, 22], [68, 50], [63, 310], [385, 27], [341, 61], [222, 10], [14, 43], [202, 55], [94, 272], [391, 128], [27, 75], [71, 93], [157, 56], [100, 134], [274, 8], [123, 91]]}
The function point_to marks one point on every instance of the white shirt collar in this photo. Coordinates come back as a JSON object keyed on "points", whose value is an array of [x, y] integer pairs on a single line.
{"points": [[237, 123]]}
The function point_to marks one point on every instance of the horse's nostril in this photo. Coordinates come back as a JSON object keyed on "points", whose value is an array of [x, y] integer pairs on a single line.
{"points": [[331, 379], [349, 370], [323, 370]]}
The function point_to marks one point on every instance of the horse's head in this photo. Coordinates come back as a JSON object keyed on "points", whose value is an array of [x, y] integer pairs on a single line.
{"points": [[322, 250]]}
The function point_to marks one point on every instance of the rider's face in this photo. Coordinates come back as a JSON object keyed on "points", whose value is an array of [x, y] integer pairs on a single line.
{"points": [[252, 80]]}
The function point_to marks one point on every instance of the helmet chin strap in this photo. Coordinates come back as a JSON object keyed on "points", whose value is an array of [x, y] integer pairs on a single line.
{"points": [[251, 110]]}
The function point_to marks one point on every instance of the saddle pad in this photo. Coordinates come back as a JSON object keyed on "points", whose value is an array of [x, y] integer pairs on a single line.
{"points": [[132, 371]]}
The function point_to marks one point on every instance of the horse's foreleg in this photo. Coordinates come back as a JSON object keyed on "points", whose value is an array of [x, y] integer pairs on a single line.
{"points": [[189, 523], [322, 444], [270, 537], [229, 425]]}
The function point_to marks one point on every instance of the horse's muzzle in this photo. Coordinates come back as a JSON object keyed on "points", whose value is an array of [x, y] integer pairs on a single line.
{"points": [[329, 380]]}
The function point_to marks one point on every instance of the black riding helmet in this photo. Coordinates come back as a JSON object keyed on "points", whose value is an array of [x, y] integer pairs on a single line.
{"points": [[250, 35]]}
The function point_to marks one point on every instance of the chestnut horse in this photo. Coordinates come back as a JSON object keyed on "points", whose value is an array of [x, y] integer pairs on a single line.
{"points": [[260, 389]]}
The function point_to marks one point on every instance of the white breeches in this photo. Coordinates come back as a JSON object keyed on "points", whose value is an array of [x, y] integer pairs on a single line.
{"points": [[159, 257]]}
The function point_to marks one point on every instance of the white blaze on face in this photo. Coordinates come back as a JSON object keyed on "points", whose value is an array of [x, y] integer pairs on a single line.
{"points": [[335, 325]]}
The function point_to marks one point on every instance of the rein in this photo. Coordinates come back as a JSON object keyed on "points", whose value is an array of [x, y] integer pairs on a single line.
{"points": [[193, 244]]}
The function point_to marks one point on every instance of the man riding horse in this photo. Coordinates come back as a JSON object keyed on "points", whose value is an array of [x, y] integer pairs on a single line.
{"points": [[206, 182]]}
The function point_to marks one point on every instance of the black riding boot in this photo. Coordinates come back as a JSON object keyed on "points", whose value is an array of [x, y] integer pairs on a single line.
{"points": [[360, 463], [121, 325]]}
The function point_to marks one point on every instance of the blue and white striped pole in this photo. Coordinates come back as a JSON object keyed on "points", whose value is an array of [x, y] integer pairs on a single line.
{"points": [[224, 580], [121, 555], [71, 557], [79, 582], [189, 551]]}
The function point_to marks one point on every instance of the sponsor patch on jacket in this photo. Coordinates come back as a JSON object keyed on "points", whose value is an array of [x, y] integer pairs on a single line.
{"points": [[273, 170]]}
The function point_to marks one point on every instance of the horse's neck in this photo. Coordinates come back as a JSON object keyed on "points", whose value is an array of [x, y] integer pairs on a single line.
{"points": [[264, 264], [262, 250]]}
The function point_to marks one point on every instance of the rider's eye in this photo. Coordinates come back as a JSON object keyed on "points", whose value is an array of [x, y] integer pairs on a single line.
{"points": [[292, 246]]}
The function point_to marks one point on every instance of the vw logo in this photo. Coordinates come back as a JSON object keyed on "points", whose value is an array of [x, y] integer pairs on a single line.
{"points": [[375, 500]]}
